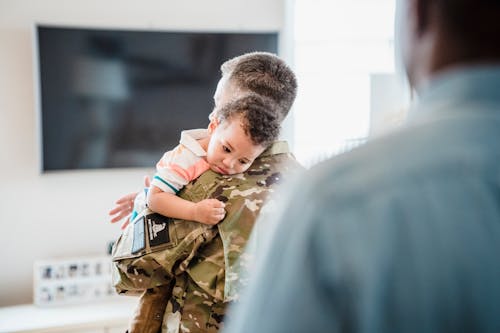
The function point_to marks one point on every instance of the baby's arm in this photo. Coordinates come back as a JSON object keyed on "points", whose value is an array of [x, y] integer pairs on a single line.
{"points": [[208, 211]]}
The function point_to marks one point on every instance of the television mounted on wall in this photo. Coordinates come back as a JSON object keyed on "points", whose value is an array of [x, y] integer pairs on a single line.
{"points": [[111, 98]]}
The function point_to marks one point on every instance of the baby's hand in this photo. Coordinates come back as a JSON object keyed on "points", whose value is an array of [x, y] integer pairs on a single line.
{"points": [[209, 211]]}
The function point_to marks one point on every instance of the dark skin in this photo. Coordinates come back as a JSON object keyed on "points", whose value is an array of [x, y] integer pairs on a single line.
{"points": [[434, 43]]}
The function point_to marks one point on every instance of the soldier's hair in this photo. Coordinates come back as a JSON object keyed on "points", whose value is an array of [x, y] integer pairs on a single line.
{"points": [[258, 117], [265, 74], [474, 24]]}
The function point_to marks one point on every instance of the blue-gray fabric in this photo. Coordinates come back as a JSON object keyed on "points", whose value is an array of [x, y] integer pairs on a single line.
{"points": [[399, 235]]}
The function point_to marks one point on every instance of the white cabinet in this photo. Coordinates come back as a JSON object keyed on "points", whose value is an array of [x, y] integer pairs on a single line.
{"points": [[103, 317]]}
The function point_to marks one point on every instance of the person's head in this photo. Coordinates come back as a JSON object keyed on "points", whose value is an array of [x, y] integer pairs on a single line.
{"points": [[260, 73], [440, 34], [240, 131]]}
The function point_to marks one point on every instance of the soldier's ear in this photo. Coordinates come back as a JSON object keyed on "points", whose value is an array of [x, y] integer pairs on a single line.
{"points": [[214, 122], [211, 115]]}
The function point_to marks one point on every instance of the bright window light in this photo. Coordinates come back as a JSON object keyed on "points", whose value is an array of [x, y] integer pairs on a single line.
{"points": [[341, 50]]}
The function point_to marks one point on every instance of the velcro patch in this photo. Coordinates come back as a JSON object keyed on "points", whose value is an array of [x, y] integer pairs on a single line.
{"points": [[139, 242], [157, 229]]}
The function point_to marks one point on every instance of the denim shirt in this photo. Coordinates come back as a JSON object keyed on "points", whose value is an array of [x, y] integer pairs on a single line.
{"points": [[399, 235]]}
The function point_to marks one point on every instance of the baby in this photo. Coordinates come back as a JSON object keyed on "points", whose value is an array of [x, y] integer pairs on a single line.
{"points": [[237, 134]]}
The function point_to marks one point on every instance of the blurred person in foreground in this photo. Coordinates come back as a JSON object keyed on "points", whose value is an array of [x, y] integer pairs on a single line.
{"points": [[403, 233]]}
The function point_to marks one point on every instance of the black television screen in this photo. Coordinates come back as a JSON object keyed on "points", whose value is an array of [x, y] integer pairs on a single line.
{"points": [[120, 98]]}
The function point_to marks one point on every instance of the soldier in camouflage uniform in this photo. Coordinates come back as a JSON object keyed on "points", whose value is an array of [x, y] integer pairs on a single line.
{"points": [[187, 272], [197, 264]]}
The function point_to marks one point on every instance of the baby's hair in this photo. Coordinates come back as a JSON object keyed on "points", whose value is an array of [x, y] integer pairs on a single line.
{"points": [[258, 117]]}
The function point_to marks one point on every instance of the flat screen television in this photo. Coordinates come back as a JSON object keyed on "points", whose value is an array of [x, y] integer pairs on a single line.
{"points": [[120, 98]]}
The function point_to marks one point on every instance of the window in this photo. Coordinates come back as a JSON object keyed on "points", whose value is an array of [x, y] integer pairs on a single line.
{"points": [[344, 60]]}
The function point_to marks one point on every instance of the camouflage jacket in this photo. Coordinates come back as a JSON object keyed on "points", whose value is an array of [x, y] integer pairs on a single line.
{"points": [[195, 265]]}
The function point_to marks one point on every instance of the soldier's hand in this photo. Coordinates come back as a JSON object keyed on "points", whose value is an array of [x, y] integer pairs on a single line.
{"points": [[209, 211], [124, 205]]}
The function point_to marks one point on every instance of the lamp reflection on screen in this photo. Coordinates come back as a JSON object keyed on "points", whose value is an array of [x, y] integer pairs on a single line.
{"points": [[100, 84]]}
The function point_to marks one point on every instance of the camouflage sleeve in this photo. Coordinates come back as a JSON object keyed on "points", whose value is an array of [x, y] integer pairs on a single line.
{"points": [[153, 249]]}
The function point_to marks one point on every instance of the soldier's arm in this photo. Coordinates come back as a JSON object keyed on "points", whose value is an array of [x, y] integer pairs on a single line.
{"points": [[167, 252], [169, 245]]}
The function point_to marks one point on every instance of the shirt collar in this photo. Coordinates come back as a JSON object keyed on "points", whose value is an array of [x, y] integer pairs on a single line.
{"points": [[453, 88], [189, 138]]}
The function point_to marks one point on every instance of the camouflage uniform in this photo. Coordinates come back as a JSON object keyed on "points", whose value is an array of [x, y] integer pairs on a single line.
{"points": [[195, 266]]}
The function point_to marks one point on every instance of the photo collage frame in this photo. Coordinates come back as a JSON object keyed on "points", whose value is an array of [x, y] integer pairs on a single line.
{"points": [[72, 280]]}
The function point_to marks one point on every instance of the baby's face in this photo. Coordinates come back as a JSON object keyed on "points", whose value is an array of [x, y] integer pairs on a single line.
{"points": [[230, 150]]}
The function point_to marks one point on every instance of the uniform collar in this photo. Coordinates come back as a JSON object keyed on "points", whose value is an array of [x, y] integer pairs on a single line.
{"points": [[278, 147]]}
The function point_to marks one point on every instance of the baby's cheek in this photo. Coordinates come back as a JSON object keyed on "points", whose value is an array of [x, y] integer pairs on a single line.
{"points": [[244, 168]]}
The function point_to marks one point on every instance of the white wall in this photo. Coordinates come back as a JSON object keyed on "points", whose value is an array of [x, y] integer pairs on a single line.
{"points": [[65, 214]]}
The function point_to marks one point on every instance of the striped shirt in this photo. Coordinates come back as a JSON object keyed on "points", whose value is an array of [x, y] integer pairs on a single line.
{"points": [[182, 164]]}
